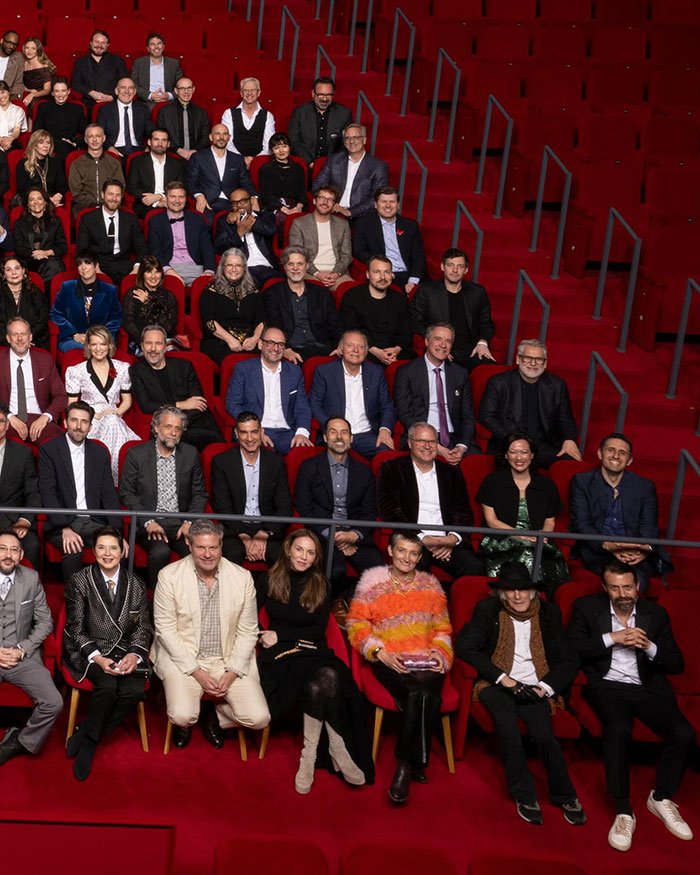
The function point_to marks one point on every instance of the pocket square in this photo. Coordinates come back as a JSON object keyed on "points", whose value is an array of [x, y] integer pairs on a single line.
{"points": [[27, 602], [294, 391]]}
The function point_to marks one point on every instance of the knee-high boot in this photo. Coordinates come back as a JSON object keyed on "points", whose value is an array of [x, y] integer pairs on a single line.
{"points": [[305, 775], [341, 759]]}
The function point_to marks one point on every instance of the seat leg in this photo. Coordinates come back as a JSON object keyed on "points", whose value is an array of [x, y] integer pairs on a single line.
{"points": [[447, 731], [72, 713], [242, 744], [168, 737], [263, 741], [142, 727], [378, 717]]}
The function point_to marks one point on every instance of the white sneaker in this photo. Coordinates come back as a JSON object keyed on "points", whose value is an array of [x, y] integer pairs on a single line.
{"points": [[620, 835], [669, 813]]}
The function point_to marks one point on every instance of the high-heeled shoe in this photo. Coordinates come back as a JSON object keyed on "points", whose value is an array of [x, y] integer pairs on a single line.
{"points": [[341, 759], [305, 775]]}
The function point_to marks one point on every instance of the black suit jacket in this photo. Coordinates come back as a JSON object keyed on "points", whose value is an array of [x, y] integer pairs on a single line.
{"points": [[303, 130], [148, 391], [19, 486], [170, 118], [264, 231], [591, 619], [93, 235], [142, 178], [57, 484], [53, 237], [357, 310], [203, 177], [228, 491], [477, 641], [501, 408], [313, 494], [108, 119], [431, 304], [397, 493], [323, 317], [8, 244], [368, 240], [197, 237], [138, 488], [370, 175], [412, 397]]}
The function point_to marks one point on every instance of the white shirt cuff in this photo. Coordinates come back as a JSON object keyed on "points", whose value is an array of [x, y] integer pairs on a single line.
{"points": [[608, 639], [304, 432], [548, 690], [651, 650]]}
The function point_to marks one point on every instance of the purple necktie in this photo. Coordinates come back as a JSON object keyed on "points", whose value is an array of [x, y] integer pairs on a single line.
{"points": [[442, 410]]}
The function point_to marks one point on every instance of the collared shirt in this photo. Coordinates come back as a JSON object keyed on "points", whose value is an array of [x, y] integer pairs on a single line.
{"points": [[523, 668], [355, 402], [251, 472], [353, 167], [248, 122], [77, 459], [623, 659], [391, 245], [220, 169], [325, 258], [433, 414], [167, 482], [11, 577], [159, 174], [273, 415], [106, 217], [339, 481], [429, 510], [156, 77], [181, 254], [255, 256], [12, 117], [3, 65], [32, 403], [321, 132], [2, 453], [121, 137], [302, 334], [210, 618], [114, 577], [613, 523]]}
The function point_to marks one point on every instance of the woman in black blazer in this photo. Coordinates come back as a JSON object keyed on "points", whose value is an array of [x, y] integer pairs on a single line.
{"points": [[42, 168], [20, 297], [39, 237]]}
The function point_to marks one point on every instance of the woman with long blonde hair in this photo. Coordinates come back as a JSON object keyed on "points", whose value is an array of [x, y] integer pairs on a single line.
{"points": [[41, 168]]}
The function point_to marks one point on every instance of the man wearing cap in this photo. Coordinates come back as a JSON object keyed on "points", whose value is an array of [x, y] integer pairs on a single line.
{"points": [[518, 645]]}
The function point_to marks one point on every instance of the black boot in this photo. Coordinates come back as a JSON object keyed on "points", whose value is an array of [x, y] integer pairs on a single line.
{"points": [[11, 746], [398, 792]]}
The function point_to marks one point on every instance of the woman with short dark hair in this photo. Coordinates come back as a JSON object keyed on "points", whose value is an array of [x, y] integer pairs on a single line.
{"points": [[148, 302]]}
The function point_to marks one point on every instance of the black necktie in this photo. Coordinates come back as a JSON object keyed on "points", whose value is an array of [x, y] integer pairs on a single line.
{"points": [[127, 133], [21, 393], [111, 233], [185, 129], [172, 221]]}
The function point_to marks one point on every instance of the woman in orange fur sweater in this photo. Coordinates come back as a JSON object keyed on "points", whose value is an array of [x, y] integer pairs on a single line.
{"points": [[398, 621]]}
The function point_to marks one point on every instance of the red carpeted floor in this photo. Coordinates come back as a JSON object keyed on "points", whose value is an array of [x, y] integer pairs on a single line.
{"points": [[211, 795]]}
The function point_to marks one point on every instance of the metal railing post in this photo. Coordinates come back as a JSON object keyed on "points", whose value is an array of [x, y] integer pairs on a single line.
{"points": [[684, 460], [331, 9], [453, 107], [461, 210], [490, 103], [362, 98], [368, 31], [322, 53], [544, 321], [632, 282], [548, 152], [261, 13], [286, 14], [597, 361], [690, 287], [407, 147], [398, 15]]}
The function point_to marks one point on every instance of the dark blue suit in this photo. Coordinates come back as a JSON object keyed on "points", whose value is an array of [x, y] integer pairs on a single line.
{"points": [[246, 391], [197, 237], [328, 399], [108, 119], [370, 175], [203, 178], [68, 312]]}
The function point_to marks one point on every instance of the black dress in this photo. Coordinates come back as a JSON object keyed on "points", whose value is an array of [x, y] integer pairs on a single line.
{"points": [[282, 185], [33, 306], [286, 668], [239, 317], [42, 233], [64, 121], [159, 309]]}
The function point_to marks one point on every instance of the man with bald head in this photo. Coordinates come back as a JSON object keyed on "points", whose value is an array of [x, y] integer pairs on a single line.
{"points": [[126, 122], [88, 173], [215, 172], [251, 232]]}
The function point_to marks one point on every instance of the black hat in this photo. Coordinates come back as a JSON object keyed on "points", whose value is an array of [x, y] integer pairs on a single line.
{"points": [[514, 575]]}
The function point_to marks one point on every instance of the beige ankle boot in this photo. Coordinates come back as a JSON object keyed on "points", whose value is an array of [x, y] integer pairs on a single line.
{"points": [[341, 759], [305, 775]]}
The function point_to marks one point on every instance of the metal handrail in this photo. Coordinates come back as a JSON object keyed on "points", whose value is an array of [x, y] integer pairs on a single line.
{"points": [[597, 361], [322, 53], [461, 210], [690, 287], [684, 460], [490, 103], [261, 13], [286, 14], [362, 98], [544, 321], [368, 31], [331, 10], [453, 107], [547, 153], [407, 147], [629, 300], [398, 15]]}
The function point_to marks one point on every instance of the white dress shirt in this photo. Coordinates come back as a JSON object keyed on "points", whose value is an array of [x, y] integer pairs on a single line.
{"points": [[220, 169], [107, 216], [429, 503], [353, 167], [355, 402], [251, 472], [121, 138], [248, 123], [255, 256], [273, 415], [32, 403], [12, 117], [159, 173], [433, 415], [77, 459], [623, 660]]}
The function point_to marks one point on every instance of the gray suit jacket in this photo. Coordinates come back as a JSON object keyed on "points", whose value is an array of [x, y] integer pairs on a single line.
{"points": [[32, 614], [303, 232], [14, 75], [141, 74]]}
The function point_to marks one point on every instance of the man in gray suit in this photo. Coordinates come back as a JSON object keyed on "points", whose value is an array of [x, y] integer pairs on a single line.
{"points": [[154, 75], [326, 239], [25, 622]]}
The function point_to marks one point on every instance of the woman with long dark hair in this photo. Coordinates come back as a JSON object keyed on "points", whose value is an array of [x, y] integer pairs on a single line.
{"points": [[40, 240], [20, 297], [149, 303], [297, 666]]}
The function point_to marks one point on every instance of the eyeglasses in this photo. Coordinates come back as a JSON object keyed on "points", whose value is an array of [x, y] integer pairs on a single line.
{"points": [[321, 199], [185, 88], [352, 139], [323, 95], [241, 200], [532, 359], [429, 442], [275, 344]]}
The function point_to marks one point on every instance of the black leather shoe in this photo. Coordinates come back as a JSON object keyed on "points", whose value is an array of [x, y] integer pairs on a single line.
{"points": [[211, 729], [83, 762], [398, 792], [74, 743], [181, 736], [11, 746], [418, 775]]}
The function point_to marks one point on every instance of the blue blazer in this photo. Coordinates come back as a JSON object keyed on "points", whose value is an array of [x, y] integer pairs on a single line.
{"points": [[371, 173], [246, 392], [328, 394], [68, 311], [203, 177], [197, 237], [108, 119]]}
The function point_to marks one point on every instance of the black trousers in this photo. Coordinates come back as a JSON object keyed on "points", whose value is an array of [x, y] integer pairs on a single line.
{"points": [[366, 556], [112, 699], [234, 549], [72, 562], [504, 709], [547, 455], [116, 267], [418, 697], [463, 561], [159, 551], [617, 705]]}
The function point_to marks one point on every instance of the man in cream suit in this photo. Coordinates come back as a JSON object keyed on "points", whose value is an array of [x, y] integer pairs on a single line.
{"points": [[25, 622], [206, 629]]}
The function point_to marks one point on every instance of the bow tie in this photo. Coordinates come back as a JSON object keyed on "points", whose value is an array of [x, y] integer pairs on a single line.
{"points": [[172, 221]]}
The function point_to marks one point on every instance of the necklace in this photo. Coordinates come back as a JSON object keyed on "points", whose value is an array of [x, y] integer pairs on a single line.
{"points": [[401, 585]]}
